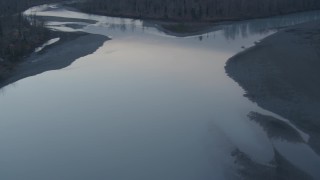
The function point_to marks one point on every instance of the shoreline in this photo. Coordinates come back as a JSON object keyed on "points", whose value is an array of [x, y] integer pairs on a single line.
{"points": [[78, 44], [281, 73], [76, 7], [182, 28], [56, 56]]}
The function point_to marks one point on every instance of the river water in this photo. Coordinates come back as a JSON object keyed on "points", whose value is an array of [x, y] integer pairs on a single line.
{"points": [[145, 105]]}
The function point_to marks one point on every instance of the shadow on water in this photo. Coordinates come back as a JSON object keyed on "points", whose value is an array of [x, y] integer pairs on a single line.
{"points": [[230, 30], [279, 168], [238, 29], [260, 26]]}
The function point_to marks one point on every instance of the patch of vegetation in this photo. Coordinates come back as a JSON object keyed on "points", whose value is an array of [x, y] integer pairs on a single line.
{"points": [[197, 10], [19, 36]]}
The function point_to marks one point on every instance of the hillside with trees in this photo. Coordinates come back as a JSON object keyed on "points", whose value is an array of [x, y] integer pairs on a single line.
{"points": [[198, 10]]}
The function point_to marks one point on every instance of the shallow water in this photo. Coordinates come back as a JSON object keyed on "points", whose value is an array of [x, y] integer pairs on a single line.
{"points": [[48, 43], [145, 105]]}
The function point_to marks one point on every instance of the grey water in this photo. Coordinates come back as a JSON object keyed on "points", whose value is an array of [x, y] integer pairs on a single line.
{"points": [[145, 105]]}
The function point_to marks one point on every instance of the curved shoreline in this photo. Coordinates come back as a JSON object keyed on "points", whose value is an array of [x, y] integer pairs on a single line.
{"points": [[281, 75], [57, 56]]}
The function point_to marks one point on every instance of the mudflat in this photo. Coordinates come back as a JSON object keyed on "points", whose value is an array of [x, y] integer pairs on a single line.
{"points": [[282, 74], [59, 55]]}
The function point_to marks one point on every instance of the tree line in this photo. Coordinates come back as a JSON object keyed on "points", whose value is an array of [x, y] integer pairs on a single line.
{"points": [[9, 7], [204, 10], [19, 37]]}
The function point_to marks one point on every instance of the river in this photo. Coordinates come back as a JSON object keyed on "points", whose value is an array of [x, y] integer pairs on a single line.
{"points": [[145, 105]]}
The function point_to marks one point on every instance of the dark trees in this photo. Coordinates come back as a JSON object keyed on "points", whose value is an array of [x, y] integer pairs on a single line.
{"points": [[17, 36], [205, 10], [1, 30]]}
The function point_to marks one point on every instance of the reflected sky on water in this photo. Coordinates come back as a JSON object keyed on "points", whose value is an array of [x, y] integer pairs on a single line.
{"points": [[145, 105]]}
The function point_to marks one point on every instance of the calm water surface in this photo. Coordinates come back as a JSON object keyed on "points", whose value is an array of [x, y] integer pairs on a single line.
{"points": [[146, 105]]}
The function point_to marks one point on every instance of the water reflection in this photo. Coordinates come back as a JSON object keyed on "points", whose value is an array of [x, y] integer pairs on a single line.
{"points": [[288, 143], [280, 168], [230, 30], [136, 108], [243, 29], [236, 36], [260, 26]]}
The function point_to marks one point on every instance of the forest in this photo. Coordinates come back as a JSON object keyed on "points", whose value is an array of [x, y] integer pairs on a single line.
{"points": [[18, 37], [9, 7], [198, 10]]}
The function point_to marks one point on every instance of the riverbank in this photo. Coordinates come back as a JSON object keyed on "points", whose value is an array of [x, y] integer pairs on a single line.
{"points": [[18, 38], [281, 74], [70, 47], [193, 11], [181, 22]]}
